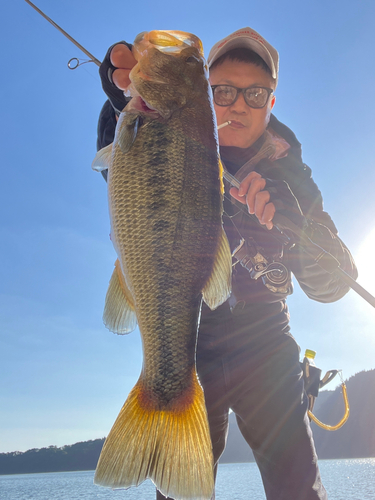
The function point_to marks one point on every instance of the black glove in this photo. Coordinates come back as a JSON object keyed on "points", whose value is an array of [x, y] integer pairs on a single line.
{"points": [[115, 95], [285, 202]]}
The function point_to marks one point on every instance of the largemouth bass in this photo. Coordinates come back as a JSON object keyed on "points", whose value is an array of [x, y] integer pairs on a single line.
{"points": [[165, 201]]}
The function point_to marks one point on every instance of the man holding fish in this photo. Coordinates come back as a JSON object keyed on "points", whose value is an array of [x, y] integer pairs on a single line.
{"points": [[246, 358]]}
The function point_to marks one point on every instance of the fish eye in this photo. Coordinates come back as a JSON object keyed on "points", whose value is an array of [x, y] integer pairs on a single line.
{"points": [[192, 59]]}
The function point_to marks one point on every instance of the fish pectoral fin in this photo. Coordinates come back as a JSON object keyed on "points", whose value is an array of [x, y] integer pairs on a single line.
{"points": [[102, 159], [172, 446], [218, 287], [119, 314], [128, 132]]}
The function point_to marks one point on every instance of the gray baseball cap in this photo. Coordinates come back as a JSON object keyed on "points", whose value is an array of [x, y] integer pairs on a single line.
{"points": [[249, 39]]}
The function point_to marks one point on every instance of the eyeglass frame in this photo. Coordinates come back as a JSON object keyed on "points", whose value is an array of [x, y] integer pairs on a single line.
{"points": [[241, 91]]}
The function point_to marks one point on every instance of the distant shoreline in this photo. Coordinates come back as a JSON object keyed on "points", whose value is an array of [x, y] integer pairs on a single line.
{"points": [[221, 463], [353, 441]]}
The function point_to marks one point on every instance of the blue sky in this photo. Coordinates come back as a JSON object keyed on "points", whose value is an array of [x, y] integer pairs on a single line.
{"points": [[63, 376]]}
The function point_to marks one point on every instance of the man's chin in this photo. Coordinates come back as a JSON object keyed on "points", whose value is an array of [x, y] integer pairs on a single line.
{"points": [[237, 138], [242, 144], [242, 140]]}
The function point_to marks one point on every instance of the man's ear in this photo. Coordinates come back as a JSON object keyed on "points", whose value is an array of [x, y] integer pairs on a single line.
{"points": [[273, 100]]}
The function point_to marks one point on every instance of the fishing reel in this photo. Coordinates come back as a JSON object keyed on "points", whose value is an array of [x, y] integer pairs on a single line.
{"points": [[275, 276]]}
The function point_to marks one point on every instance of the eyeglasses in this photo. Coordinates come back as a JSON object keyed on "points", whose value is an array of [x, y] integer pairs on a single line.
{"points": [[255, 97]]}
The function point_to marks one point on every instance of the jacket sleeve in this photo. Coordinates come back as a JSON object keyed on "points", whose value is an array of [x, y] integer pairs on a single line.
{"points": [[106, 129], [317, 283], [112, 107], [106, 126]]}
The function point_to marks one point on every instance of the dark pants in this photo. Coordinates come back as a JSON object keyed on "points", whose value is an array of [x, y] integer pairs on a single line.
{"points": [[248, 365]]}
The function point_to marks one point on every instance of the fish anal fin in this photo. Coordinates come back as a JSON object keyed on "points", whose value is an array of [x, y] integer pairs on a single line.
{"points": [[217, 289], [171, 447], [102, 159], [119, 314]]}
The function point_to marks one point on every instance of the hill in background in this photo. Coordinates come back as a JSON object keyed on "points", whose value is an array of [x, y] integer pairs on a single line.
{"points": [[356, 439], [78, 456]]}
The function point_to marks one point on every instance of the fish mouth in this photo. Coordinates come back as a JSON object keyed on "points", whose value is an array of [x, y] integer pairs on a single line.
{"points": [[139, 105], [169, 42], [166, 41]]}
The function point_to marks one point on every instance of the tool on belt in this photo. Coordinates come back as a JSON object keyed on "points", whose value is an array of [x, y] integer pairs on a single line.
{"points": [[313, 383]]}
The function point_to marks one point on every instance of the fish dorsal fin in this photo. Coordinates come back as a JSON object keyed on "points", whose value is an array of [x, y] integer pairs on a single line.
{"points": [[218, 287], [128, 132], [119, 314], [102, 159]]}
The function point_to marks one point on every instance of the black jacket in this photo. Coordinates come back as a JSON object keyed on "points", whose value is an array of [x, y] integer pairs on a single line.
{"points": [[315, 282]]}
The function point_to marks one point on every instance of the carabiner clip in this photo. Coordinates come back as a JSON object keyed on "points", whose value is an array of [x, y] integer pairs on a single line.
{"points": [[344, 418]]}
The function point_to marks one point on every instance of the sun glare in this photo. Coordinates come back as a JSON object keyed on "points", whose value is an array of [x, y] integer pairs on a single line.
{"points": [[364, 258]]}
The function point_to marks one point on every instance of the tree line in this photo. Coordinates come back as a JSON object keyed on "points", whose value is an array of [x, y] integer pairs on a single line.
{"points": [[356, 439], [78, 456]]}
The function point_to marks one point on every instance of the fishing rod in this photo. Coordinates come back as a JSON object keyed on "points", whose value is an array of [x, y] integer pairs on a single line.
{"points": [[323, 258], [70, 63]]}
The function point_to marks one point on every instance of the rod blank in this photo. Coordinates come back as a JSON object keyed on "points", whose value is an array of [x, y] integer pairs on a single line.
{"points": [[94, 59]]}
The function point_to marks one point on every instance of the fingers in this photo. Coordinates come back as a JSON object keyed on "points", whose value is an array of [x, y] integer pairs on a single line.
{"points": [[251, 192], [264, 211], [123, 59], [121, 79], [248, 189], [255, 195], [245, 184]]}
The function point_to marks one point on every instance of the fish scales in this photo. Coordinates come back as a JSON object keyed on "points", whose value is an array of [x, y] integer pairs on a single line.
{"points": [[158, 237], [165, 202]]}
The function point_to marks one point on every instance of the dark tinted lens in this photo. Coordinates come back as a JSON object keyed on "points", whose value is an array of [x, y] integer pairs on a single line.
{"points": [[256, 97], [224, 95]]}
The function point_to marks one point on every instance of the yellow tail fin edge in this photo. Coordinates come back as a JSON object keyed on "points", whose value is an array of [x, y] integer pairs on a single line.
{"points": [[172, 448]]}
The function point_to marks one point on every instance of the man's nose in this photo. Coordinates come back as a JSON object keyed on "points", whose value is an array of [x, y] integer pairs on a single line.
{"points": [[240, 105]]}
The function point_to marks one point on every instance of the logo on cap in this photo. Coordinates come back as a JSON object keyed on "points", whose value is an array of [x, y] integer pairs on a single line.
{"points": [[251, 34]]}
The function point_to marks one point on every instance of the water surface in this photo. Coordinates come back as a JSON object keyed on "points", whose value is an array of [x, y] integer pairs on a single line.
{"points": [[352, 479]]}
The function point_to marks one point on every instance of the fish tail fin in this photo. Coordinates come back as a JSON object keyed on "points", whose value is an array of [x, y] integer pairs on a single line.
{"points": [[171, 447]]}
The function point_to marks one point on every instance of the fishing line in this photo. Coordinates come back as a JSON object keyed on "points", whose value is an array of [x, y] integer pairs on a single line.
{"points": [[73, 62], [92, 58]]}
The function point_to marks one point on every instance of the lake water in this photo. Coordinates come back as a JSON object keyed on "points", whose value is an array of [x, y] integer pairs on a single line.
{"points": [[343, 479]]}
